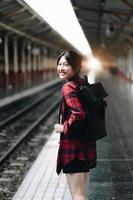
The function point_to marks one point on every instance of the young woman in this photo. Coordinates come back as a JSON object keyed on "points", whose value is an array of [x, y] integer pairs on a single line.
{"points": [[75, 157]]}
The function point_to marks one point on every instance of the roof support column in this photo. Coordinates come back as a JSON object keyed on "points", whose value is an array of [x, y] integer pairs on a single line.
{"points": [[29, 64], [6, 64], [15, 62], [23, 64], [34, 69], [39, 66], [44, 65]]}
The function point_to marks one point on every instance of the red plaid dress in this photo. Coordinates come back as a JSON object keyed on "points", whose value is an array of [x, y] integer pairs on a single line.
{"points": [[72, 112]]}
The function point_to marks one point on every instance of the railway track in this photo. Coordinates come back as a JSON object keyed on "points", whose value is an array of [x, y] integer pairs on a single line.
{"points": [[11, 109], [14, 169], [16, 128]]}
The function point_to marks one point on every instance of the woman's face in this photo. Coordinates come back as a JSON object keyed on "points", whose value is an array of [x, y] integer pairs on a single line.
{"points": [[64, 70]]}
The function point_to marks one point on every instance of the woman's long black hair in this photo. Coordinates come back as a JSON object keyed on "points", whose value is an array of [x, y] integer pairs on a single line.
{"points": [[74, 59]]}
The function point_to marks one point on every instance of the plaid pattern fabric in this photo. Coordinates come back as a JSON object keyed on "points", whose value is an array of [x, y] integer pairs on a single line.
{"points": [[73, 113]]}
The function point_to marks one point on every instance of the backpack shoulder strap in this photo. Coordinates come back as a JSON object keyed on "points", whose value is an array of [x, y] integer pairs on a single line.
{"points": [[59, 114], [86, 79]]}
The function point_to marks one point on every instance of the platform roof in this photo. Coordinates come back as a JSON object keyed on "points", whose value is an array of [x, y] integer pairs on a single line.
{"points": [[107, 24], [18, 18]]}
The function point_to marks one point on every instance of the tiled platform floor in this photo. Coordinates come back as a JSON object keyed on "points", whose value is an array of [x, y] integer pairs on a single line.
{"points": [[112, 179], [42, 182]]}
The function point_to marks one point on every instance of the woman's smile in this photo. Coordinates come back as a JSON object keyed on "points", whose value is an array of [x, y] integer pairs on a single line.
{"points": [[62, 73], [65, 70]]}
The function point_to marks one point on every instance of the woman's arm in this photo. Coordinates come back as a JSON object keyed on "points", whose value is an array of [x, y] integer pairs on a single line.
{"points": [[78, 114]]}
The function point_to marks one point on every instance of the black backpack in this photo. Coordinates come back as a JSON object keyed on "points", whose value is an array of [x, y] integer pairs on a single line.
{"points": [[93, 97]]}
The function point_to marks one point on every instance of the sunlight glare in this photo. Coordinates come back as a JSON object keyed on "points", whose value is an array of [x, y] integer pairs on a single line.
{"points": [[60, 15], [95, 64]]}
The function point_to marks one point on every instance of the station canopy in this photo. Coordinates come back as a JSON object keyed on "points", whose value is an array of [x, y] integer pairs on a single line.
{"points": [[107, 24], [16, 17]]}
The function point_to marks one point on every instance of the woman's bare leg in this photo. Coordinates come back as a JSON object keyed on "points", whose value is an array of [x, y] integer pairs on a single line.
{"points": [[77, 185]]}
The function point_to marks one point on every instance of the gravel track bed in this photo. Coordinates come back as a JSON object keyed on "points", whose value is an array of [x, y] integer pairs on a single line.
{"points": [[15, 169], [10, 134]]}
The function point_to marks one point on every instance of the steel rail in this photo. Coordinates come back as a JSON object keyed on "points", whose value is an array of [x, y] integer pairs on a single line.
{"points": [[24, 110], [28, 131]]}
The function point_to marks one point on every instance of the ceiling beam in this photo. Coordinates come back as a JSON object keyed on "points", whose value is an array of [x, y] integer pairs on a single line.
{"points": [[23, 20], [122, 23], [114, 21], [128, 3], [23, 34], [119, 32], [1, 1], [119, 12], [42, 30], [118, 16], [15, 12], [130, 39], [26, 26]]}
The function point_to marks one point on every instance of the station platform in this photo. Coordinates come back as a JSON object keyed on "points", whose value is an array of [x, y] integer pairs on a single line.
{"points": [[27, 92], [112, 179], [42, 182]]}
